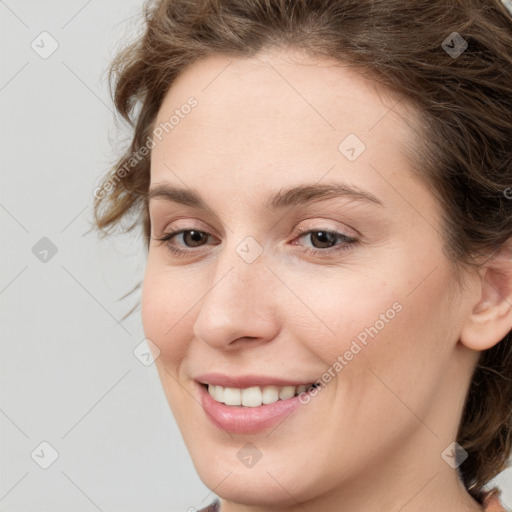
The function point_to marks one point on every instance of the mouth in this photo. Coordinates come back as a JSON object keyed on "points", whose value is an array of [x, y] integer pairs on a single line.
{"points": [[255, 396], [250, 405]]}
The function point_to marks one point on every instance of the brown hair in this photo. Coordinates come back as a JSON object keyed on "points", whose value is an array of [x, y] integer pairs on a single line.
{"points": [[463, 104]]}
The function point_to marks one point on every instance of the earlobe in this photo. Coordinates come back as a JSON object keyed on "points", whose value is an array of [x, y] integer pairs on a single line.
{"points": [[490, 318]]}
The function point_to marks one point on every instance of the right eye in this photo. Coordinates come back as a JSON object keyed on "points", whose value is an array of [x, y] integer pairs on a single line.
{"points": [[190, 238]]}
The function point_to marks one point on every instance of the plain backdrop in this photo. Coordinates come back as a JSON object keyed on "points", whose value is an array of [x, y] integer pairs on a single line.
{"points": [[84, 422]]}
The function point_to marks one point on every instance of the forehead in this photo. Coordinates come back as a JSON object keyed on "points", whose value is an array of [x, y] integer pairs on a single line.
{"points": [[277, 112]]}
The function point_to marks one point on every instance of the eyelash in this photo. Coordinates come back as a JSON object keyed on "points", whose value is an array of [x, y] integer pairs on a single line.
{"points": [[338, 248]]}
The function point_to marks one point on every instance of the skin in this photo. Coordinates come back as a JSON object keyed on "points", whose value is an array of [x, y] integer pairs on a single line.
{"points": [[372, 439]]}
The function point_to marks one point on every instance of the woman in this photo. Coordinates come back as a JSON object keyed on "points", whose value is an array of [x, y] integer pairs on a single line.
{"points": [[325, 188]]}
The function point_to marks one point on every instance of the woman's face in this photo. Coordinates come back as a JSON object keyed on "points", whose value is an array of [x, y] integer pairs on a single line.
{"points": [[308, 253]]}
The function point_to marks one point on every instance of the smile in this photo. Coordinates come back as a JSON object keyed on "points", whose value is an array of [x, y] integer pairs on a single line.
{"points": [[248, 405], [255, 396]]}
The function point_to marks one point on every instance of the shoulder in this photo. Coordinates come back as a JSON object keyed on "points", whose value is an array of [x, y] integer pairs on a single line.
{"points": [[212, 507], [492, 502]]}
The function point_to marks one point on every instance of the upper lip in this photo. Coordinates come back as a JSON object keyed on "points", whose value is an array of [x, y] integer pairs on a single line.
{"points": [[247, 381]]}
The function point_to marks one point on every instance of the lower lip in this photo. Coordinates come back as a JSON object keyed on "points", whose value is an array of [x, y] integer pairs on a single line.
{"points": [[246, 420]]}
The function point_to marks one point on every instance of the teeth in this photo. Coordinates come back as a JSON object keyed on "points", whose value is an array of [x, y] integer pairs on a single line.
{"points": [[232, 396], [254, 396], [286, 392], [270, 394], [219, 393], [251, 397]]}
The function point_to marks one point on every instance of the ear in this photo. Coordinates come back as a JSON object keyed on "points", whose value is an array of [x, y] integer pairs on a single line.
{"points": [[491, 317]]}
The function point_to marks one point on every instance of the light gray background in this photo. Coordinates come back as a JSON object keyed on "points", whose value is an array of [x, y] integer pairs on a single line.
{"points": [[69, 374]]}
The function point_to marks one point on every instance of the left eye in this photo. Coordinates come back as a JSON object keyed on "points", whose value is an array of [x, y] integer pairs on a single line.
{"points": [[326, 240]]}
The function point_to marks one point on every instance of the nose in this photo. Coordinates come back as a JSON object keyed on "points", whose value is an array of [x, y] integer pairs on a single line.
{"points": [[239, 305]]}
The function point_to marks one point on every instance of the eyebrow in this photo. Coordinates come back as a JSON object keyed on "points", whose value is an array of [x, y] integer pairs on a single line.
{"points": [[301, 194]]}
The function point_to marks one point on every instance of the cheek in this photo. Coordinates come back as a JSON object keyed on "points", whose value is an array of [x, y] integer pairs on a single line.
{"points": [[154, 314], [405, 360], [381, 326], [164, 306], [165, 303], [343, 311]]}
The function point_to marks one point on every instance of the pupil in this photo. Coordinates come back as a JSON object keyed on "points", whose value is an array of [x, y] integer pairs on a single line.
{"points": [[195, 236], [330, 237]]}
